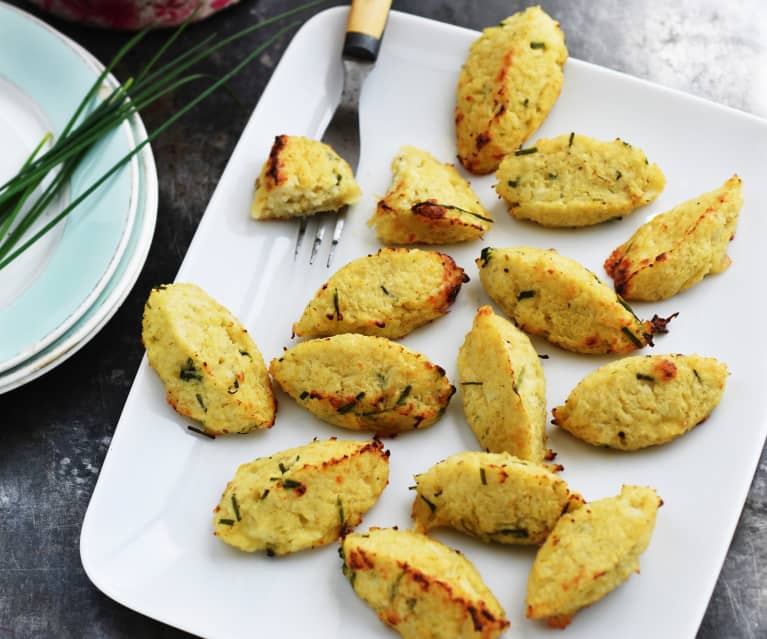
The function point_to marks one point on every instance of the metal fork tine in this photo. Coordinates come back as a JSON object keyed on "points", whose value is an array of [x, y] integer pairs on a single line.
{"points": [[337, 231], [317, 240], [300, 237]]}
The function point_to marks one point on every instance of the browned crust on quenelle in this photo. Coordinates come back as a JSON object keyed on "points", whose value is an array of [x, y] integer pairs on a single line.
{"points": [[273, 164], [618, 266], [483, 620], [374, 447], [455, 277]]}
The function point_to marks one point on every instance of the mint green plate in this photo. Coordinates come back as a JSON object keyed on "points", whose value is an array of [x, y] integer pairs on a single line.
{"points": [[43, 77]]}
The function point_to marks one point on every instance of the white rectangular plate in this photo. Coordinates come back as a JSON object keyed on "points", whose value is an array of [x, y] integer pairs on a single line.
{"points": [[147, 537]]}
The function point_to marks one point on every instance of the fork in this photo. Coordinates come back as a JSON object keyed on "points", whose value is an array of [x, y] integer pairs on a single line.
{"points": [[364, 30]]}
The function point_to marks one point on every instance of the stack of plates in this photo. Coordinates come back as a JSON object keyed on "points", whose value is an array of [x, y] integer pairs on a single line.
{"points": [[58, 294]]}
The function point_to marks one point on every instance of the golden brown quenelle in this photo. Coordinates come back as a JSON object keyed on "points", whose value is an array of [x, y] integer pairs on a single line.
{"points": [[510, 81]]}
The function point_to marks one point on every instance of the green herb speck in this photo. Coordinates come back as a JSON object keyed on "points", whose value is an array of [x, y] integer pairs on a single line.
{"points": [[518, 380], [519, 533], [236, 507], [190, 372], [482, 476], [346, 408], [633, 338], [403, 395], [200, 431], [432, 507], [485, 255], [625, 305], [335, 304], [523, 295], [395, 586]]}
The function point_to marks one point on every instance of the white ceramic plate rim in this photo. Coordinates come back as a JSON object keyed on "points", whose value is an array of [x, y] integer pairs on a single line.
{"points": [[27, 351], [140, 532]]}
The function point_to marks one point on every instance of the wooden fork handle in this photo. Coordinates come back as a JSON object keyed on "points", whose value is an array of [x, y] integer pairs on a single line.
{"points": [[364, 30]]}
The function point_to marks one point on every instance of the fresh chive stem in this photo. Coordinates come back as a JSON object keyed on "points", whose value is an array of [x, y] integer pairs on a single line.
{"points": [[85, 129]]}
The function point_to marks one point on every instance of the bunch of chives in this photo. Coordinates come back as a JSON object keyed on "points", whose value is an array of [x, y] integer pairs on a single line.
{"points": [[86, 128]]}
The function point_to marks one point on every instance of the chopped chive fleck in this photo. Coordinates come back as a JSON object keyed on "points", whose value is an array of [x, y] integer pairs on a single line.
{"points": [[519, 533], [245, 354], [291, 483], [383, 288], [482, 476], [477, 215], [543, 356], [304, 394], [518, 380], [431, 506], [403, 395], [395, 586], [360, 396], [472, 383], [341, 516], [226, 522], [235, 386], [625, 305], [513, 183], [633, 338], [339, 177], [264, 494], [618, 175], [697, 375], [201, 402], [189, 371], [335, 304], [525, 102], [523, 295], [527, 151], [570, 139], [645, 378], [200, 431], [283, 468], [236, 507], [537, 45], [346, 408], [484, 256]]}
